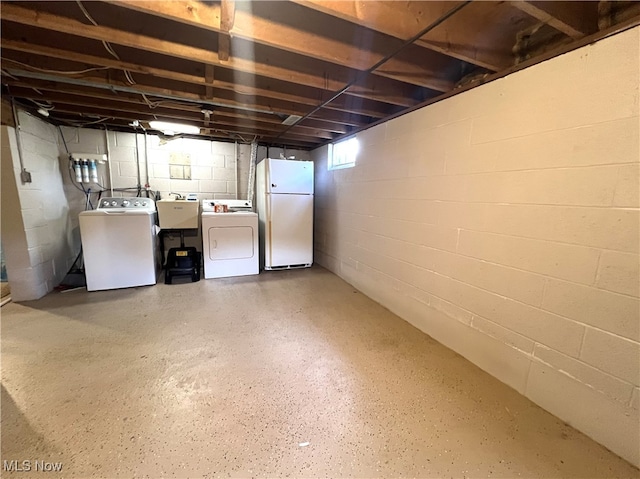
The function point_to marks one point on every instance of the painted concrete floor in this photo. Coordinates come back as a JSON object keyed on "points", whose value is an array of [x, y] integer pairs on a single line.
{"points": [[289, 374]]}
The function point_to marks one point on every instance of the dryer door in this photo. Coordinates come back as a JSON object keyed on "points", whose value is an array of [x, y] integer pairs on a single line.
{"points": [[231, 242]]}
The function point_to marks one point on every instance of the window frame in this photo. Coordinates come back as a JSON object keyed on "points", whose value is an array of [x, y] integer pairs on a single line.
{"points": [[351, 156]]}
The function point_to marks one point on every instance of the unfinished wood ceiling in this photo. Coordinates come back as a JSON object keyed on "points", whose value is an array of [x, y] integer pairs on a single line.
{"points": [[294, 73]]}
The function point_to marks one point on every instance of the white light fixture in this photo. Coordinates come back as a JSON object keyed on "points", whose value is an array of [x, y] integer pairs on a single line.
{"points": [[291, 119], [173, 128]]}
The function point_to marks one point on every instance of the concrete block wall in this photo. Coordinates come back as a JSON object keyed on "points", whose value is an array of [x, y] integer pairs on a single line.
{"points": [[213, 163], [36, 226], [40, 227], [213, 167], [504, 222]]}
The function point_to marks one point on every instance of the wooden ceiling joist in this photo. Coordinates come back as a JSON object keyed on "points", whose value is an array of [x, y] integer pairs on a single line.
{"points": [[227, 18], [454, 39], [241, 70], [53, 22], [289, 37], [208, 81], [222, 97], [574, 19]]}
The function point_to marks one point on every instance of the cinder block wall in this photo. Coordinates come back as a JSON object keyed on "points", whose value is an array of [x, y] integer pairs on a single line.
{"points": [[213, 168], [36, 226], [213, 164], [504, 222], [40, 227]]}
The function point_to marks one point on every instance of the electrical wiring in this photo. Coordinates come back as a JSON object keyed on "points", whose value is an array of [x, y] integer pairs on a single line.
{"points": [[76, 124], [97, 121], [88, 204], [106, 44], [108, 47], [156, 103], [99, 192], [44, 106], [59, 72], [70, 168], [240, 136], [150, 104], [64, 142], [129, 78], [4, 72], [73, 267]]}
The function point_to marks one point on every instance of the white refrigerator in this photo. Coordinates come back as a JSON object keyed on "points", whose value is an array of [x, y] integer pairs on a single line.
{"points": [[284, 197]]}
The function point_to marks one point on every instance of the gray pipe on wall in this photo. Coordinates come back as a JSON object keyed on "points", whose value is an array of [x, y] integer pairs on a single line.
{"points": [[106, 138], [139, 185], [146, 160]]}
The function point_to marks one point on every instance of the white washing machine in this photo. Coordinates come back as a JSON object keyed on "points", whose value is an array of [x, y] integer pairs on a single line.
{"points": [[120, 244], [229, 240]]}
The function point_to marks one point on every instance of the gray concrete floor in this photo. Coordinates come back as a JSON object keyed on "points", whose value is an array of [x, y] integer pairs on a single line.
{"points": [[231, 378]]}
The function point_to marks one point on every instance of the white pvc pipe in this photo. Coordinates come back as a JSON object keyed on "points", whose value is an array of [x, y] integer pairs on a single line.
{"points": [[106, 136], [237, 162]]}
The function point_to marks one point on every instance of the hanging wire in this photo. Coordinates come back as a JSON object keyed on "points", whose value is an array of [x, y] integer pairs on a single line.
{"points": [[240, 136], [149, 103], [106, 44], [156, 103], [70, 168], [81, 125], [44, 106], [5, 72], [46, 70], [129, 78]]}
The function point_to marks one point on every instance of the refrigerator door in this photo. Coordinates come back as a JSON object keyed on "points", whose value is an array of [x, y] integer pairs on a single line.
{"points": [[289, 176], [290, 231]]}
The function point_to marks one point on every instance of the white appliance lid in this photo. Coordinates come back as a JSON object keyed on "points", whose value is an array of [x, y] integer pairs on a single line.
{"points": [[117, 212]]}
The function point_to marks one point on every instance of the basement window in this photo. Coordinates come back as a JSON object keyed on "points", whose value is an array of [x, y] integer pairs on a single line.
{"points": [[343, 154]]}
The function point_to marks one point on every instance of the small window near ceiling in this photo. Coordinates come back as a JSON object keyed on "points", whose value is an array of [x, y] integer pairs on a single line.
{"points": [[343, 154]]}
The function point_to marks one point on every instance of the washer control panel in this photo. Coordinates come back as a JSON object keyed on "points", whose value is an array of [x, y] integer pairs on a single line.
{"points": [[130, 203]]}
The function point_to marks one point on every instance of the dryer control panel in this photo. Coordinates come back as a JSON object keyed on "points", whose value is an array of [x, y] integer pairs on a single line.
{"points": [[209, 206]]}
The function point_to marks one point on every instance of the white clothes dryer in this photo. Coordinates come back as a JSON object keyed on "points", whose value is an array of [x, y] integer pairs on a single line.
{"points": [[229, 240]]}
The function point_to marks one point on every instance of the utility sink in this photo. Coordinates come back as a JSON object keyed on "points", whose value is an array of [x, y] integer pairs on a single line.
{"points": [[178, 214]]}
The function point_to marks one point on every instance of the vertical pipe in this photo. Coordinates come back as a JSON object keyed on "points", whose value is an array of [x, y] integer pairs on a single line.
{"points": [[146, 160], [106, 137], [18, 140], [139, 186], [237, 162], [252, 171]]}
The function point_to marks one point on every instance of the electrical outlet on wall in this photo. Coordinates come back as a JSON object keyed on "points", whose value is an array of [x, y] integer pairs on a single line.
{"points": [[25, 176]]}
